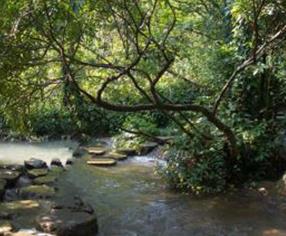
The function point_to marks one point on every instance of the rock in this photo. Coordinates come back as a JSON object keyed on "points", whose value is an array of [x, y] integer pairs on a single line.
{"points": [[102, 162], [96, 150], [10, 176], [68, 221], [37, 192], [47, 180], [56, 162], [23, 181], [127, 151], [13, 167], [5, 227], [11, 195], [147, 147], [70, 161], [35, 164], [281, 186], [35, 173], [9, 207], [3, 184], [116, 156]]}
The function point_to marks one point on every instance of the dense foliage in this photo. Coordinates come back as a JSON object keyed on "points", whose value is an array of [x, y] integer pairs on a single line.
{"points": [[209, 73]]}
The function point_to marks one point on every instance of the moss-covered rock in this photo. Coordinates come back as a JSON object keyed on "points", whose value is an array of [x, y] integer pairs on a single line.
{"points": [[35, 173], [47, 180], [37, 192], [10, 176], [102, 162]]}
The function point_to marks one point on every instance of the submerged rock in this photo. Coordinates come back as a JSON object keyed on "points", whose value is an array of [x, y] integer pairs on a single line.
{"points": [[35, 173], [35, 164], [37, 192], [69, 220], [102, 162], [56, 162]]}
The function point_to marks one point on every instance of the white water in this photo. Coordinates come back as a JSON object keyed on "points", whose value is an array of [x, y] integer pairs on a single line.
{"points": [[18, 152]]}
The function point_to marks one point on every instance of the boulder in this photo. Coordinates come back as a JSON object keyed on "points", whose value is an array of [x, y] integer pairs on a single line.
{"points": [[70, 161], [37, 192], [32, 232], [56, 162], [23, 181], [35, 164], [147, 147], [11, 195], [281, 186], [35, 173], [47, 180], [102, 162], [13, 167], [10, 176]]}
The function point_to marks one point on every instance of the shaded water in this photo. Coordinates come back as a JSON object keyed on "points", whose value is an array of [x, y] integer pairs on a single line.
{"points": [[131, 200], [16, 153]]}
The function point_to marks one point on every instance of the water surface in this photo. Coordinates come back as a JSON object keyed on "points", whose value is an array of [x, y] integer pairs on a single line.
{"points": [[17, 152], [131, 200]]}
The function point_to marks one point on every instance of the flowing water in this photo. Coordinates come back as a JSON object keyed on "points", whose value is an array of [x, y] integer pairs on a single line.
{"points": [[131, 200], [16, 153]]}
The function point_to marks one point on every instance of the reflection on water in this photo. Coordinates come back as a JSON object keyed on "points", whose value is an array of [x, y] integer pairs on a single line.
{"points": [[18, 152], [130, 200]]}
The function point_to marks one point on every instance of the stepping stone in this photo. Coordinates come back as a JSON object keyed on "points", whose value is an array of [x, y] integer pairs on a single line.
{"points": [[116, 156], [35, 173], [102, 162], [37, 192], [96, 150], [47, 180]]}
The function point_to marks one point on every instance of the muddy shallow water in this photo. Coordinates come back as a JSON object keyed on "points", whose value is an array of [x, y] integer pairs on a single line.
{"points": [[131, 200]]}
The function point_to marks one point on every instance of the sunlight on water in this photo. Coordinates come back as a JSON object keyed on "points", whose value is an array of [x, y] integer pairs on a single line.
{"points": [[17, 153]]}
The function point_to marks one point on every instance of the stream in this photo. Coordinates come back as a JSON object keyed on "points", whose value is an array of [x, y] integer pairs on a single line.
{"points": [[131, 200]]}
